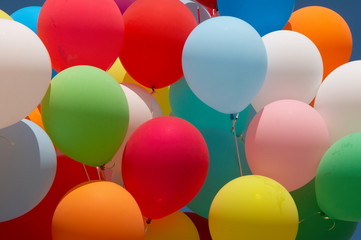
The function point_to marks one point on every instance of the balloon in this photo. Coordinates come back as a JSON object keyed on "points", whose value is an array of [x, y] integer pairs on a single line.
{"points": [[139, 113], [227, 69], [286, 141], [294, 69], [165, 164], [264, 15], [28, 16], [117, 71], [223, 168], [188, 106], [25, 72], [35, 116], [153, 43], [80, 33], [253, 207], [176, 226], [321, 24], [85, 112], [338, 99], [338, 177], [36, 224], [28, 166], [124, 4], [4, 15], [201, 224], [199, 12], [208, 3], [313, 225], [97, 210]]}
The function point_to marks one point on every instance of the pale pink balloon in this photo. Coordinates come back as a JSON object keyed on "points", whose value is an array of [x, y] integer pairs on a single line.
{"points": [[286, 141]]}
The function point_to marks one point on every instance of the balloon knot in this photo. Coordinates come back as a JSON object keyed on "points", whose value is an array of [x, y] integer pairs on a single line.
{"points": [[149, 220]]}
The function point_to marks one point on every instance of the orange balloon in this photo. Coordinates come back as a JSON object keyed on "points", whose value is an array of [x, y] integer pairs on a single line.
{"points": [[35, 116], [97, 210], [328, 31]]}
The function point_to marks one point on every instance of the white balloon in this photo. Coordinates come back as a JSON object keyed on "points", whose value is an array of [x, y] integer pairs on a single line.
{"points": [[339, 100], [25, 71], [295, 69], [27, 168], [139, 113], [199, 12]]}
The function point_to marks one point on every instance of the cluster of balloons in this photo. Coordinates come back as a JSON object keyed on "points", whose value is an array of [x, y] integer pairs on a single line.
{"points": [[243, 111]]}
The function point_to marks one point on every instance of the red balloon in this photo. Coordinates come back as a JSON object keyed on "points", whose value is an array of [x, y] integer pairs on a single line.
{"points": [[208, 3], [81, 32], [155, 33], [165, 164], [36, 224], [201, 224]]}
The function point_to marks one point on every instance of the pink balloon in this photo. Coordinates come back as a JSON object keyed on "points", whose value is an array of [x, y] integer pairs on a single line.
{"points": [[165, 164], [285, 141]]}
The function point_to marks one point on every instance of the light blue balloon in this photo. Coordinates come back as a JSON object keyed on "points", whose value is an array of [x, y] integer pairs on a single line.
{"points": [[186, 105], [223, 167], [28, 16], [225, 63], [264, 15]]}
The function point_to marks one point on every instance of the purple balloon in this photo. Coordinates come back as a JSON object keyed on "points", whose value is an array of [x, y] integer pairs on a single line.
{"points": [[123, 4]]}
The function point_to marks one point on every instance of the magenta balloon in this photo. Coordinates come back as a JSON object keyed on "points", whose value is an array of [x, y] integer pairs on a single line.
{"points": [[123, 4]]}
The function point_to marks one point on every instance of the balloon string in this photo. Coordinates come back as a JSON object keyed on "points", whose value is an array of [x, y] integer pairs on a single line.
{"points": [[323, 215], [199, 15], [151, 101], [8, 140], [86, 172], [100, 171], [149, 220], [234, 120]]}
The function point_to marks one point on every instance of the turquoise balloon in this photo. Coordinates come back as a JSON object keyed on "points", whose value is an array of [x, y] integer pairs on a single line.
{"points": [[188, 106], [313, 225], [225, 63], [223, 167], [28, 16], [264, 15]]}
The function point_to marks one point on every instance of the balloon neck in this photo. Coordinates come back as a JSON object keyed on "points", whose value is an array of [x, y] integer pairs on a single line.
{"points": [[149, 220]]}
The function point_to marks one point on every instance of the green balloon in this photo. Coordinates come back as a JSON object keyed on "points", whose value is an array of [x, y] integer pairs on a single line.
{"points": [[223, 167], [314, 225], [85, 113], [338, 179], [185, 104]]}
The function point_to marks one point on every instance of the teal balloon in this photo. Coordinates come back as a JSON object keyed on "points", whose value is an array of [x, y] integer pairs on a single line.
{"points": [[185, 104], [223, 167], [313, 224], [28, 16], [338, 179], [225, 63], [264, 15], [85, 113]]}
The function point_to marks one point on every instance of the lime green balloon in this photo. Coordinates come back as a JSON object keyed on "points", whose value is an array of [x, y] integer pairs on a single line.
{"points": [[85, 113], [338, 179], [223, 167], [185, 104], [313, 224]]}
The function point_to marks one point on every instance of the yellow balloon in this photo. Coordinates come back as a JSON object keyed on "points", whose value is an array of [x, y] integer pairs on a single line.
{"points": [[176, 226], [4, 15], [254, 208], [117, 71]]}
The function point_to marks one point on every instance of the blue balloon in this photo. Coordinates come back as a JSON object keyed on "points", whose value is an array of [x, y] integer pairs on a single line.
{"points": [[225, 63], [28, 16], [186, 105], [223, 167], [264, 15]]}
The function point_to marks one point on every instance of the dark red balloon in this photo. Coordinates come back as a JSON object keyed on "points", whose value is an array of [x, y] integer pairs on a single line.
{"points": [[36, 224], [201, 224], [165, 164], [208, 3], [155, 33], [81, 32]]}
